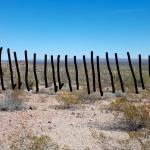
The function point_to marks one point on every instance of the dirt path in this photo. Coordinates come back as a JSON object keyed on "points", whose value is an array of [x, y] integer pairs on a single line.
{"points": [[78, 128]]}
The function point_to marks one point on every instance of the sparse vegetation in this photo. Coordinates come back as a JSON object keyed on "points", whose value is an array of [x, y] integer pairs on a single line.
{"points": [[68, 98], [12, 101], [136, 116], [130, 109], [42, 143], [34, 143]]}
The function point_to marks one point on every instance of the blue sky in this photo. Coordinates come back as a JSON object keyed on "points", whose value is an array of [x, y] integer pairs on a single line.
{"points": [[75, 27]]}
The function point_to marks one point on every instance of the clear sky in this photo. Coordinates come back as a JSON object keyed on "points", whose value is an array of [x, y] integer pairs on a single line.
{"points": [[75, 27]]}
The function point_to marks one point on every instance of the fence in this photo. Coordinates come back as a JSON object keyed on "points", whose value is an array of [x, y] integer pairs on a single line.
{"points": [[60, 84]]}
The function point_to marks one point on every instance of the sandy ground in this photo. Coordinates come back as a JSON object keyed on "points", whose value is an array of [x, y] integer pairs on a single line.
{"points": [[78, 127]]}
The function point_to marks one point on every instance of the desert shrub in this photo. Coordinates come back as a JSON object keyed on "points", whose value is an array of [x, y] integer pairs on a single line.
{"points": [[118, 104], [12, 101], [30, 142], [142, 136], [68, 98], [135, 116], [88, 98], [42, 143]]}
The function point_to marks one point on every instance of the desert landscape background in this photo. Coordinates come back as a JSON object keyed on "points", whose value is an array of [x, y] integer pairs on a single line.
{"points": [[75, 120]]}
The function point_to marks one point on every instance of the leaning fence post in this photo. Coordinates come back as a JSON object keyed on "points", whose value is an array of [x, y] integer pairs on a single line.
{"points": [[86, 74], [67, 72], [149, 64], [132, 71], [119, 74], [58, 73], [1, 72], [18, 72], [93, 71], [26, 71], [53, 70], [99, 78], [110, 72], [140, 70], [76, 70], [10, 68], [45, 71], [35, 75]]}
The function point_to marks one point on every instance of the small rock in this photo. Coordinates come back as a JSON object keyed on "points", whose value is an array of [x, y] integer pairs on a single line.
{"points": [[73, 113], [92, 108], [94, 115], [30, 108], [49, 122]]}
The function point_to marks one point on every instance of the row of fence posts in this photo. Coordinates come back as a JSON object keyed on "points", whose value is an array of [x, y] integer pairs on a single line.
{"points": [[60, 84]]}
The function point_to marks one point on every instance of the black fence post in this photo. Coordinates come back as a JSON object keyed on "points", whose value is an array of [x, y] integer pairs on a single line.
{"points": [[140, 70], [149, 64], [76, 70], [99, 78], [18, 72], [10, 68], [110, 72], [26, 71], [1, 71], [67, 72], [53, 70], [93, 71], [86, 74], [132, 71], [119, 74], [45, 71], [35, 75], [58, 73]]}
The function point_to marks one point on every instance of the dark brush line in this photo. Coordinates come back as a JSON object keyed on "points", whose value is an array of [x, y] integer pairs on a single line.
{"points": [[140, 70], [53, 70], [110, 72], [34, 70], [26, 71], [1, 72], [76, 70], [119, 74], [45, 71], [58, 73], [18, 72], [99, 77], [149, 64], [10, 68], [86, 74], [132, 71], [67, 72], [93, 71]]}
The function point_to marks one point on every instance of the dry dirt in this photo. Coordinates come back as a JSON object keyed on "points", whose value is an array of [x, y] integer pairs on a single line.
{"points": [[82, 127]]}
